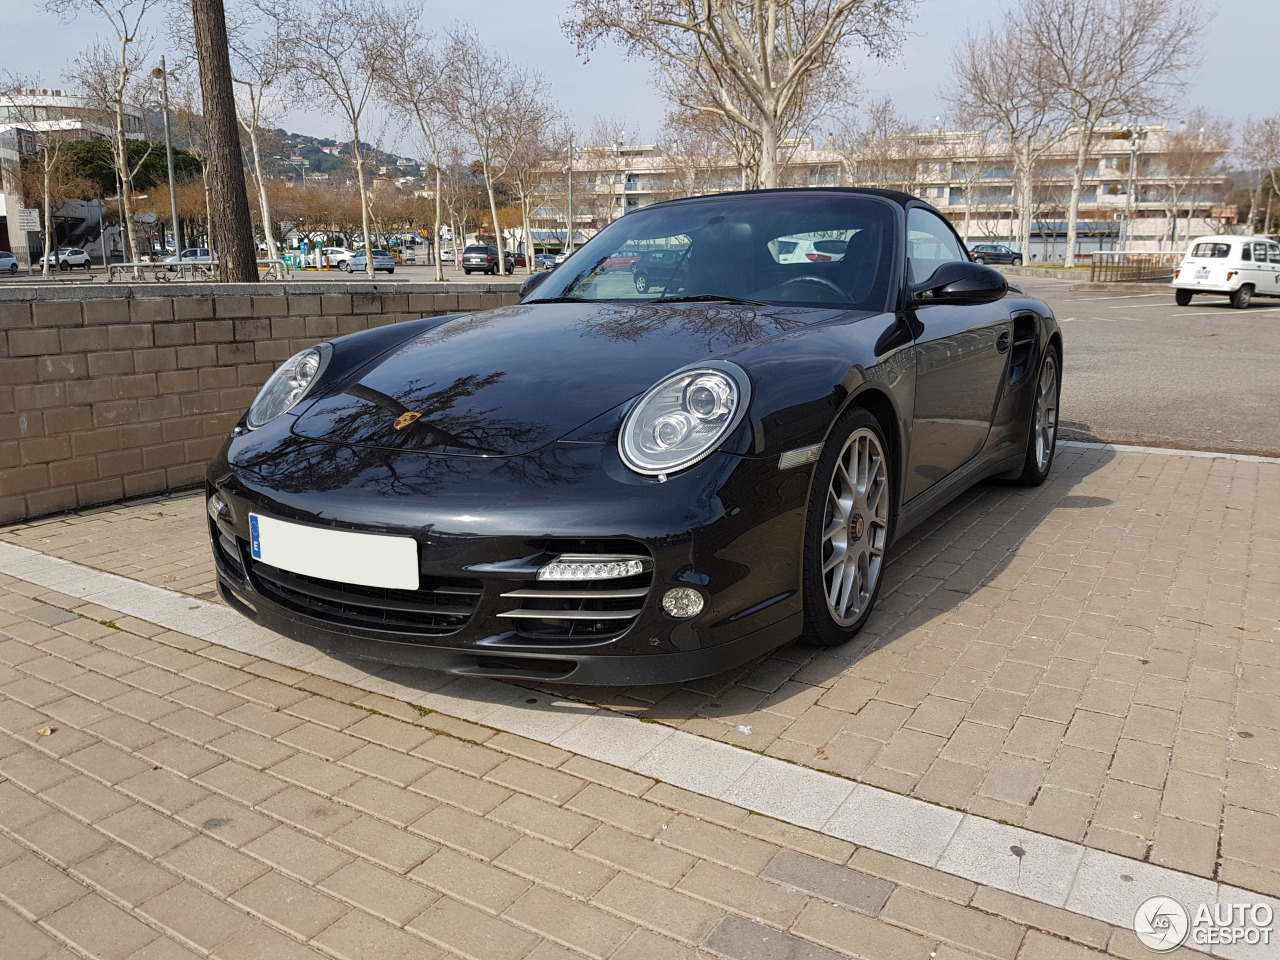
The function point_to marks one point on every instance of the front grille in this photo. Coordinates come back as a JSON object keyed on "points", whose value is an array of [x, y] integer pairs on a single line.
{"points": [[227, 550], [576, 611], [439, 606]]}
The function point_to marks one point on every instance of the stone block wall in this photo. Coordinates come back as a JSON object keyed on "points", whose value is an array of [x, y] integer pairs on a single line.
{"points": [[118, 393]]}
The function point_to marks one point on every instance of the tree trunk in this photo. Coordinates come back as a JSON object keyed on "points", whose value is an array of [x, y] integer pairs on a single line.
{"points": [[1025, 187], [49, 235], [364, 201], [263, 204], [768, 178], [237, 258], [1077, 185], [1255, 200], [435, 236], [208, 208], [493, 212]]}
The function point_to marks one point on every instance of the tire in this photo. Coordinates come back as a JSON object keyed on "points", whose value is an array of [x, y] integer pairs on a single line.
{"points": [[642, 283], [854, 456], [13, 268], [1182, 298], [344, 266], [1240, 299], [1042, 431], [1016, 262], [391, 271], [64, 266], [978, 260], [467, 272]]}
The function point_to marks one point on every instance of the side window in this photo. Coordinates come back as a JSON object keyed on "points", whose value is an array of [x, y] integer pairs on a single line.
{"points": [[930, 243], [1273, 252], [1260, 252], [1245, 253]]}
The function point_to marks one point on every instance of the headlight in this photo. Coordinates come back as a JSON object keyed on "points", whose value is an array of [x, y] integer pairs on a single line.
{"points": [[289, 384], [684, 417]]}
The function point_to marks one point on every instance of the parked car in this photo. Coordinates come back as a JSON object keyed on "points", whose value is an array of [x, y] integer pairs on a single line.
{"points": [[484, 257], [813, 249], [381, 261], [544, 261], [726, 469], [1239, 268], [660, 268], [995, 253], [8, 262], [519, 260], [446, 255], [192, 255], [67, 257], [337, 256]]}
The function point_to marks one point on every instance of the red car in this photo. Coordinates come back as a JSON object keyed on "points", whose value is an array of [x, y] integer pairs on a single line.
{"points": [[621, 263]]}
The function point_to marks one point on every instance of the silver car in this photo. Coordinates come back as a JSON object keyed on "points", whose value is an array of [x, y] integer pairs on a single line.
{"points": [[8, 262], [67, 257], [192, 255], [381, 261]]}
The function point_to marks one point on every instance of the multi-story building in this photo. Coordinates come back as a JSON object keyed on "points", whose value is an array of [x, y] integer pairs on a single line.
{"points": [[1146, 189], [25, 119]]}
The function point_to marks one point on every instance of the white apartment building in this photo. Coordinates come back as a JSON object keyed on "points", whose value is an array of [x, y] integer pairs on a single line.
{"points": [[22, 118], [1177, 189]]}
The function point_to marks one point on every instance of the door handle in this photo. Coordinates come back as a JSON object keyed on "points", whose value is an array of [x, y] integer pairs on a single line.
{"points": [[1002, 342]]}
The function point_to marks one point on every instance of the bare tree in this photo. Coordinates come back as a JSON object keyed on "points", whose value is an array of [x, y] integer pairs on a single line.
{"points": [[1110, 59], [485, 91], [532, 149], [1003, 87], [752, 61], [342, 47], [884, 150], [1193, 165], [696, 154], [413, 73], [971, 159], [261, 62], [1260, 153], [124, 17]]}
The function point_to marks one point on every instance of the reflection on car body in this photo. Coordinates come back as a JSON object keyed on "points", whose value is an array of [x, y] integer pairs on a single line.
{"points": [[605, 484]]}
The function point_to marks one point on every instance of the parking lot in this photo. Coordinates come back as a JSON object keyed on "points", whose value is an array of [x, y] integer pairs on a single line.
{"points": [[405, 273]]}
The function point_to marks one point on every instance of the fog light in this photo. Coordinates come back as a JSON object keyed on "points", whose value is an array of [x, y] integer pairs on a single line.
{"points": [[218, 508], [591, 568], [682, 602]]}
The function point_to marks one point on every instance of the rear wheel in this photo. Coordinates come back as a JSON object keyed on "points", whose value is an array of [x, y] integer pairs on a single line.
{"points": [[978, 260], [64, 266], [1043, 439], [1017, 261], [467, 272], [847, 531], [1182, 297], [1240, 299], [642, 283]]}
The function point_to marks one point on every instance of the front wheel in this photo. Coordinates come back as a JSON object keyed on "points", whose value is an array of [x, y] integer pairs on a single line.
{"points": [[1182, 298], [642, 283], [344, 266], [1043, 438], [848, 529], [1240, 299], [1017, 262], [64, 266]]}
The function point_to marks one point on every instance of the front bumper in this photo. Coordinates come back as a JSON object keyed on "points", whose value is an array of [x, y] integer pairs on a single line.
{"points": [[731, 528]]}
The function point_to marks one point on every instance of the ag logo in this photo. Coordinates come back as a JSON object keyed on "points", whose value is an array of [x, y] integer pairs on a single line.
{"points": [[1161, 924], [405, 419]]}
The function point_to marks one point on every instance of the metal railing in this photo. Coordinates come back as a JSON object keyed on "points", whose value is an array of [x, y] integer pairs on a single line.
{"points": [[162, 272], [1110, 266]]}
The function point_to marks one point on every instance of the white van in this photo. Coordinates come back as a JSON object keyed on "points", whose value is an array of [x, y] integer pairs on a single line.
{"points": [[1237, 267]]}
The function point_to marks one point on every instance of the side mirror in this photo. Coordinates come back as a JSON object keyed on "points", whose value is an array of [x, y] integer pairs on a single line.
{"points": [[531, 283], [961, 282]]}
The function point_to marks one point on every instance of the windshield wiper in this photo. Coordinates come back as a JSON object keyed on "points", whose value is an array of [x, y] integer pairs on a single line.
{"points": [[710, 298]]}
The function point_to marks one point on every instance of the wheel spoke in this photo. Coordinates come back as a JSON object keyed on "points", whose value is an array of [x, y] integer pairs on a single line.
{"points": [[860, 484]]}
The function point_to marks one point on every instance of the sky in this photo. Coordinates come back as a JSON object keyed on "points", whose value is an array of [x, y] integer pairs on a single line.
{"points": [[1233, 80]]}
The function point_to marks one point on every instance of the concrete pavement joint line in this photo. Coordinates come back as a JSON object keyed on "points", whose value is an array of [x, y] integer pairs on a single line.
{"points": [[1168, 451], [1093, 883]]}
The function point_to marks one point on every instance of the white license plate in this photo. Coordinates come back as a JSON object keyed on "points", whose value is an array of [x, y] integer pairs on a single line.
{"points": [[367, 559], [1202, 273]]}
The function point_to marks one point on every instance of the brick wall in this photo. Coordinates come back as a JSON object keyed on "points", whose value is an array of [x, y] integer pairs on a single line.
{"points": [[127, 393]]}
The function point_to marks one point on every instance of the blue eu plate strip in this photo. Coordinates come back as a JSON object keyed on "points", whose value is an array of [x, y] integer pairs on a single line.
{"points": [[255, 542]]}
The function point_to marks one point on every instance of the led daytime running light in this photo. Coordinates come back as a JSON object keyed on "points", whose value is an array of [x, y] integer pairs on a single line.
{"points": [[592, 568]]}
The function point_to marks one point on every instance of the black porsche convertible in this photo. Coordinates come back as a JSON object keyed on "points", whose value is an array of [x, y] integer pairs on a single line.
{"points": [[604, 484]]}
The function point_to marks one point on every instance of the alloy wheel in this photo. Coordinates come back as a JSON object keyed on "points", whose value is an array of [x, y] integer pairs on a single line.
{"points": [[1046, 423], [855, 527]]}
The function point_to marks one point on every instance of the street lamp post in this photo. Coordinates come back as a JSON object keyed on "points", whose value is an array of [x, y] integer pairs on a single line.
{"points": [[1128, 197], [163, 76]]}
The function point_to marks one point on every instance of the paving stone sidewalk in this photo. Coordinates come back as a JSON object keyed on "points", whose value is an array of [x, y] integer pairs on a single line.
{"points": [[1095, 659], [162, 797]]}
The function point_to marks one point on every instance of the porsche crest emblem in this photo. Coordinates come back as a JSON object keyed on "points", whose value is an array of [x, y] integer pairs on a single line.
{"points": [[405, 419]]}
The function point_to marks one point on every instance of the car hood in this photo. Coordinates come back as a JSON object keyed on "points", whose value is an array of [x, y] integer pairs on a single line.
{"points": [[508, 381]]}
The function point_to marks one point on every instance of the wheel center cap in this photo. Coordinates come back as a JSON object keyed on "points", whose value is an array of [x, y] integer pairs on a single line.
{"points": [[856, 527]]}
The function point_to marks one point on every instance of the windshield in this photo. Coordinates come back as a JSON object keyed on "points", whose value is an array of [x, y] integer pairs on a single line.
{"points": [[819, 250]]}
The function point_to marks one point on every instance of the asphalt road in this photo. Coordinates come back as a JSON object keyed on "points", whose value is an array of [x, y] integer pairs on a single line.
{"points": [[1141, 370]]}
